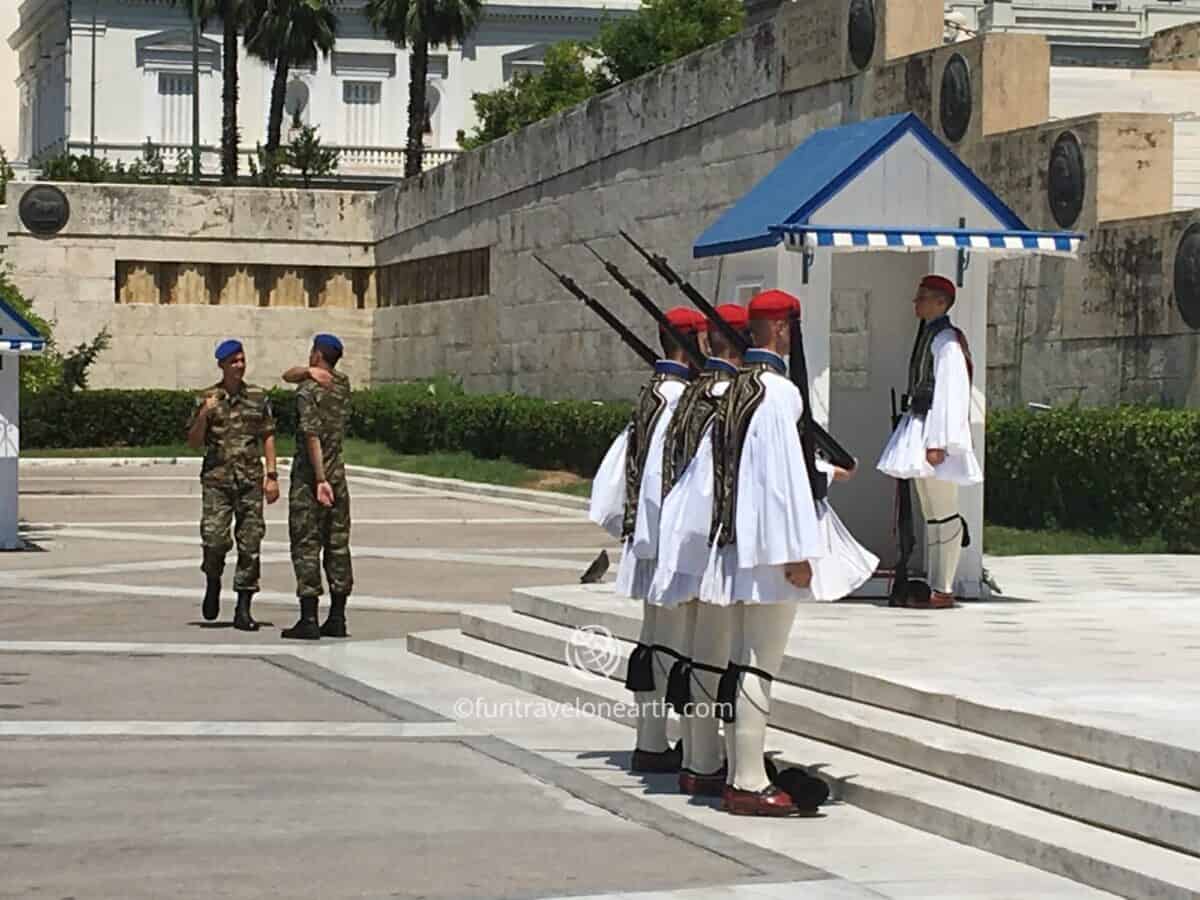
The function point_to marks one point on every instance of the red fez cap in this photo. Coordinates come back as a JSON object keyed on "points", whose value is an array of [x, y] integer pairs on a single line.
{"points": [[774, 304], [734, 315], [687, 320], [938, 283]]}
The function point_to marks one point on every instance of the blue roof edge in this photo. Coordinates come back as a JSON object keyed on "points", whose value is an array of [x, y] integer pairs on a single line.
{"points": [[20, 320], [905, 123]]}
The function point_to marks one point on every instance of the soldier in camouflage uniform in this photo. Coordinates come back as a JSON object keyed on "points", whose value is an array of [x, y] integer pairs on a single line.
{"points": [[234, 424], [319, 498]]}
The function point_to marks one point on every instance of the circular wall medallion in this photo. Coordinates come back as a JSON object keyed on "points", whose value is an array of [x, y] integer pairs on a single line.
{"points": [[862, 32], [1187, 276], [44, 210], [955, 105], [1066, 180]]}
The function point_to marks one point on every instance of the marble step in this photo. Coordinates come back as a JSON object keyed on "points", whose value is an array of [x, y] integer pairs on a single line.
{"points": [[1151, 810], [1063, 846], [1000, 716]]}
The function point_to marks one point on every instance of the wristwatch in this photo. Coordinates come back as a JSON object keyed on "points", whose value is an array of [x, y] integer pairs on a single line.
{"points": [[272, 476]]}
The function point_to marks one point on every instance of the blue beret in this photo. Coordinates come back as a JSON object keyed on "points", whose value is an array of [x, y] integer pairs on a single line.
{"points": [[227, 348], [328, 340]]}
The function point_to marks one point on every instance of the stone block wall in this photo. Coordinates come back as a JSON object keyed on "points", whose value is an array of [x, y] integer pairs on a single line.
{"points": [[170, 271], [1176, 48], [664, 173], [1112, 330], [438, 275]]}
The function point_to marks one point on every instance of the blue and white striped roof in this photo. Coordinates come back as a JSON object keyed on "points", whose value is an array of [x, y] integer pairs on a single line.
{"points": [[21, 345], [796, 203], [16, 334], [859, 238]]}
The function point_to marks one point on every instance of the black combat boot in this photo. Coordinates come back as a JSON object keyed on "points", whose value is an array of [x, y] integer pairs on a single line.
{"points": [[212, 599], [242, 620], [307, 628], [335, 622]]}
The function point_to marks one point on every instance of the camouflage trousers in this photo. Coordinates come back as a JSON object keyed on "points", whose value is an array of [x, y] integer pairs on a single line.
{"points": [[320, 535], [240, 503]]}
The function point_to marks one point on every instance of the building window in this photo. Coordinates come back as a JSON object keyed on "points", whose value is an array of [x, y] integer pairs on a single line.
{"points": [[175, 100], [362, 102]]}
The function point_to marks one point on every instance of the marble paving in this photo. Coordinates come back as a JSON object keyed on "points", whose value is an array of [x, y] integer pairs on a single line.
{"points": [[145, 753]]}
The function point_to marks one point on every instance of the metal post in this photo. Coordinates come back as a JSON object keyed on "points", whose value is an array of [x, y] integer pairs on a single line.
{"points": [[92, 145], [195, 91]]}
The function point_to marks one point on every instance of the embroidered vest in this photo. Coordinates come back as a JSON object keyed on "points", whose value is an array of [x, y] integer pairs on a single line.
{"points": [[731, 423], [921, 380], [650, 406], [697, 406]]}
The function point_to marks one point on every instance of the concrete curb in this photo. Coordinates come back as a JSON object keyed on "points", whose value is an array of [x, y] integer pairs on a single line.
{"points": [[455, 485], [459, 486], [63, 462]]}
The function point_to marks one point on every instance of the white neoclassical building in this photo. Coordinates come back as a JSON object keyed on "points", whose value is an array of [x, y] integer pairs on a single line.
{"points": [[1109, 33], [141, 85]]}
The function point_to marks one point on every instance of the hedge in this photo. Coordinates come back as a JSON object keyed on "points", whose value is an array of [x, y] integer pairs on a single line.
{"points": [[407, 418], [1127, 471], [1130, 471]]}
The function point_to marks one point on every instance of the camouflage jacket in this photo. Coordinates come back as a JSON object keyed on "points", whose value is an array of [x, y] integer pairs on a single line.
{"points": [[237, 426], [325, 413]]}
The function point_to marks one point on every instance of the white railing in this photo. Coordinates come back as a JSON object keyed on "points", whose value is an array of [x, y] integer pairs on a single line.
{"points": [[352, 160], [376, 158]]}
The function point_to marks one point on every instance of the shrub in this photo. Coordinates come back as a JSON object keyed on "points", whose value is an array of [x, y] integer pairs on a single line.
{"points": [[107, 418], [1128, 471], [1131, 472], [424, 417]]}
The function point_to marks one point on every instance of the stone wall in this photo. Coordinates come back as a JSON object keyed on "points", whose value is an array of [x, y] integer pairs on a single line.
{"points": [[170, 271], [438, 275], [664, 156], [1176, 48]]}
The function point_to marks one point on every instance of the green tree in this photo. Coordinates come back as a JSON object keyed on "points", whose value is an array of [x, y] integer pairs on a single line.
{"points": [[286, 33], [232, 14], [306, 155], [419, 25], [50, 370], [563, 82], [663, 31]]}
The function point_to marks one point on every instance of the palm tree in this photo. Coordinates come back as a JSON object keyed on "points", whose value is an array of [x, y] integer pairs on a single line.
{"points": [[419, 25], [288, 33], [231, 13]]}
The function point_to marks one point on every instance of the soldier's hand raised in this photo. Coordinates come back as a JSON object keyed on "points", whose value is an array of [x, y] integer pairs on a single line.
{"points": [[324, 493], [323, 377], [210, 403]]}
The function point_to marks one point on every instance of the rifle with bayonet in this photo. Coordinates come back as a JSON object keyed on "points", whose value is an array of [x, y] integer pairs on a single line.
{"points": [[822, 440], [906, 538], [689, 345], [631, 340], [660, 265]]}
